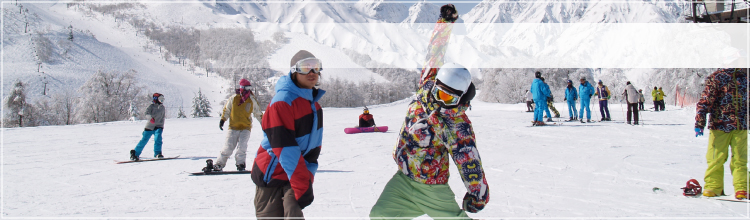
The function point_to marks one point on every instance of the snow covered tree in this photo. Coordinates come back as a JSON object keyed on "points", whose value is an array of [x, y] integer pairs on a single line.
{"points": [[201, 106], [19, 113], [70, 34], [181, 113], [107, 97], [133, 111]]}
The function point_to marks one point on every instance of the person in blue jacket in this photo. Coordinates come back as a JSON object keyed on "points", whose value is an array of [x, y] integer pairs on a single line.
{"points": [[540, 92], [585, 91], [571, 95]]}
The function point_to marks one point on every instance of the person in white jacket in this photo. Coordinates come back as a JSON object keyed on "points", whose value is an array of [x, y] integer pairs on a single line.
{"points": [[529, 101], [632, 97], [239, 110]]}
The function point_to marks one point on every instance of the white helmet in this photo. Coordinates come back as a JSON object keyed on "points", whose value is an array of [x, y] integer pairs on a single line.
{"points": [[455, 76]]}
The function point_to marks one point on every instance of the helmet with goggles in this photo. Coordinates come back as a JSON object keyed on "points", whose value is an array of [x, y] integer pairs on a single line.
{"points": [[452, 81], [158, 97]]}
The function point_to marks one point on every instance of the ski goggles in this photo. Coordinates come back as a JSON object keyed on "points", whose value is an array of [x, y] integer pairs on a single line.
{"points": [[160, 98], [445, 94], [247, 88], [308, 65]]}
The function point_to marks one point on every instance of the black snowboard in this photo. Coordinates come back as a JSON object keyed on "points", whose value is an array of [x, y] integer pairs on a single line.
{"points": [[145, 160], [220, 173]]}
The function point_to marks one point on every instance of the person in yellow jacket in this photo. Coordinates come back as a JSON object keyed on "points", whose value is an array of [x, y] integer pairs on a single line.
{"points": [[238, 110], [658, 96]]}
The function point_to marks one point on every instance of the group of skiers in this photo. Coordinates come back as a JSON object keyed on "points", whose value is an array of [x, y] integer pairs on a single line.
{"points": [[539, 99]]}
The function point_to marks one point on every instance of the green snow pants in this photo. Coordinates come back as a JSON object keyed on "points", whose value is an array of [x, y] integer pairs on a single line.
{"points": [[405, 198], [718, 146]]}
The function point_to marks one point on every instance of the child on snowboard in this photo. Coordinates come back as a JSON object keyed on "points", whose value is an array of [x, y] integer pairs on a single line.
{"points": [[238, 110], [155, 126]]}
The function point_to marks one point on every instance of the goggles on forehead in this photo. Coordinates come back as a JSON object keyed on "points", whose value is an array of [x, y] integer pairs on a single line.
{"points": [[445, 96], [304, 66]]}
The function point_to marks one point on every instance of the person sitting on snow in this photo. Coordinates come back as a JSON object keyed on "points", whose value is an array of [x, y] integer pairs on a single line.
{"points": [[366, 119]]}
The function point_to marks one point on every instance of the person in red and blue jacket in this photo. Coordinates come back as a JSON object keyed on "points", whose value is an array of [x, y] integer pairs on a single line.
{"points": [[286, 162]]}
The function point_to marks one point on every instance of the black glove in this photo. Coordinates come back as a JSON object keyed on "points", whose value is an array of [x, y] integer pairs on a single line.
{"points": [[448, 13], [470, 204], [565, 99], [221, 125]]}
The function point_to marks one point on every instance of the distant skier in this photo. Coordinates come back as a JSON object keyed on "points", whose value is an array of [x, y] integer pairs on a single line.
{"points": [[529, 101], [631, 97], [287, 159], [550, 104], [603, 92], [661, 101], [641, 99], [366, 119], [436, 126], [571, 95], [155, 126], [658, 96], [541, 93], [585, 91], [239, 110], [725, 97]]}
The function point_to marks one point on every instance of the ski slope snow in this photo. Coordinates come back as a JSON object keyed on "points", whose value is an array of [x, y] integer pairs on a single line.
{"points": [[597, 170]]}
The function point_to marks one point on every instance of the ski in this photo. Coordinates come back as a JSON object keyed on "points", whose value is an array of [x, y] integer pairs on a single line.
{"points": [[727, 198], [219, 173], [145, 160]]}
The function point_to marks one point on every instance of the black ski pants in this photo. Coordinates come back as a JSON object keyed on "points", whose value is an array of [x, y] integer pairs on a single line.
{"points": [[633, 111]]}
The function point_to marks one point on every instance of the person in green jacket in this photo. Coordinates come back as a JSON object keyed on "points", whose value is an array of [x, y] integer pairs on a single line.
{"points": [[658, 96]]}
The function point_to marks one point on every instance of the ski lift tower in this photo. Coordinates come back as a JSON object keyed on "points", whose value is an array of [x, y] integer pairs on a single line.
{"points": [[714, 11]]}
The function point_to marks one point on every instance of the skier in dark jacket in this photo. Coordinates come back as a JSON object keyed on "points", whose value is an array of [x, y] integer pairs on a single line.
{"points": [[366, 119], [155, 126]]}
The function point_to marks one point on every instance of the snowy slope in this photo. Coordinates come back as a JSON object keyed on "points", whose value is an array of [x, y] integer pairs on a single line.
{"points": [[599, 170], [112, 47]]}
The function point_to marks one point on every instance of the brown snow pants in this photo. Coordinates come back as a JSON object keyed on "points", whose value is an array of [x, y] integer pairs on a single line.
{"points": [[276, 202]]}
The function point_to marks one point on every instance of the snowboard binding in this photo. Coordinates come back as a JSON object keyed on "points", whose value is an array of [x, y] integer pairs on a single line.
{"points": [[209, 166], [692, 188]]}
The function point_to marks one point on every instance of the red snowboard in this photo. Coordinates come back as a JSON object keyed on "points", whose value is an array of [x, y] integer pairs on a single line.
{"points": [[365, 129]]}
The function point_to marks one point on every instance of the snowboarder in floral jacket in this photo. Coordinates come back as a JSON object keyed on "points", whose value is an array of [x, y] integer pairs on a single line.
{"points": [[436, 128], [725, 97]]}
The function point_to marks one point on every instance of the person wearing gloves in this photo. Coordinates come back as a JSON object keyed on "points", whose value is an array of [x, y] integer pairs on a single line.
{"points": [[725, 98], [366, 119], [436, 127], [155, 126], [287, 159], [239, 110], [603, 92], [585, 91], [541, 94], [631, 97], [571, 95]]}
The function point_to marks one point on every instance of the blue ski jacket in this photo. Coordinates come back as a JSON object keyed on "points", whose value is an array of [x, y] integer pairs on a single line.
{"points": [[540, 90], [571, 94], [585, 91]]}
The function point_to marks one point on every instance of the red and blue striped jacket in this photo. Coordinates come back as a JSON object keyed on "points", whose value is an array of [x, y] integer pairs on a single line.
{"points": [[292, 136]]}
